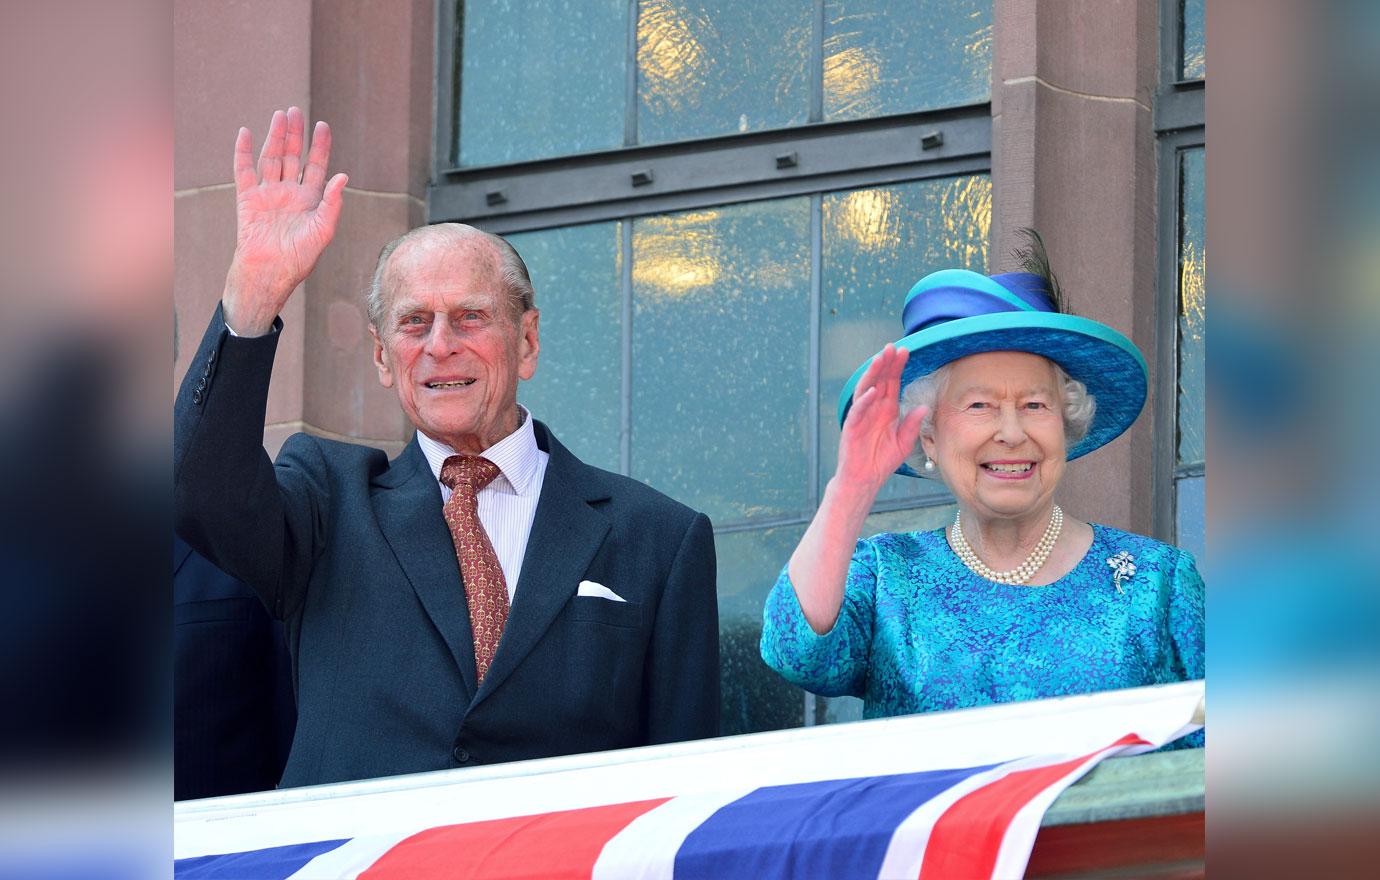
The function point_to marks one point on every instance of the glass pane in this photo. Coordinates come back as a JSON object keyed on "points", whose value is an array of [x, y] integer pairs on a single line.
{"points": [[577, 274], [753, 696], [721, 357], [882, 57], [838, 710], [1192, 306], [1194, 64], [877, 244], [712, 67], [1191, 516], [533, 86]]}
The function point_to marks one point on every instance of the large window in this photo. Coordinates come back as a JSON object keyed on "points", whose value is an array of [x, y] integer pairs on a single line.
{"points": [[1181, 453], [723, 206], [582, 76]]}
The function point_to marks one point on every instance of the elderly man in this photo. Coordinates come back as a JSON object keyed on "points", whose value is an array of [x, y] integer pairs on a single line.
{"points": [[485, 596]]}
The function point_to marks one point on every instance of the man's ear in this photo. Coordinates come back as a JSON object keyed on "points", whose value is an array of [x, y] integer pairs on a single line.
{"points": [[381, 359], [529, 344]]}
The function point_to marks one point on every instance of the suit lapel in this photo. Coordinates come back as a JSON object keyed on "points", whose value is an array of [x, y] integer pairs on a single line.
{"points": [[182, 551], [566, 533], [409, 512]]}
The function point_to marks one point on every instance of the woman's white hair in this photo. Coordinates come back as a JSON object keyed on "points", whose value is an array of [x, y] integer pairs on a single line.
{"points": [[1079, 407]]}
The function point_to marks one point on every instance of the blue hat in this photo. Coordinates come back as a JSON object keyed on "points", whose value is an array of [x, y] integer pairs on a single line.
{"points": [[954, 313]]}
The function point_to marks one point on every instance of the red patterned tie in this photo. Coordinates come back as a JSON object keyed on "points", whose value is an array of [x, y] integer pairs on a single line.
{"points": [[486, 591]]}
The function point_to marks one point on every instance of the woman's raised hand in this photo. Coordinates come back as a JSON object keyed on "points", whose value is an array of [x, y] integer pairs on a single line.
{"points": [[286, 214], [876, 439]]}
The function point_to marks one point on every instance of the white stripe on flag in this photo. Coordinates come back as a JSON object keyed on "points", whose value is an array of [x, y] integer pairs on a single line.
{"points": [[1019, 838], [351, 858], [906, 852], [646, 849]]}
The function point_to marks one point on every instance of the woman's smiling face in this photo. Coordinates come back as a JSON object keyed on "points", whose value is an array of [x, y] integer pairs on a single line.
{"points": [[998, 436]]}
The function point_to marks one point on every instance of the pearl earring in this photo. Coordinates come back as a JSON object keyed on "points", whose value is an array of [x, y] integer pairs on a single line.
{"points": [[929, 465]]}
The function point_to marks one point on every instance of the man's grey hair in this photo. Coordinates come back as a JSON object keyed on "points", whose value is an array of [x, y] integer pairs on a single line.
{"points": [[1079, 407], [517, 283]]}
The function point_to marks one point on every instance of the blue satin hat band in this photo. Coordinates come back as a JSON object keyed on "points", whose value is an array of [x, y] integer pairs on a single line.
{"points": [[957, 293], [955, 313]]}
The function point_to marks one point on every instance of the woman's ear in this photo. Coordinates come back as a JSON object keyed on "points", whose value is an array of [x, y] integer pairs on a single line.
{"points": [[927, 440]]}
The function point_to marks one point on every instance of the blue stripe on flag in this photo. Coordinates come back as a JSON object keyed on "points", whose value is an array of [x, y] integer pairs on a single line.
{"points": [[274, 863], [837, 828]]}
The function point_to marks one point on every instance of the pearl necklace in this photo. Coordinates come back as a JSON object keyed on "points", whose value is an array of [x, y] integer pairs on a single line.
{"points": [[1021, 573]]}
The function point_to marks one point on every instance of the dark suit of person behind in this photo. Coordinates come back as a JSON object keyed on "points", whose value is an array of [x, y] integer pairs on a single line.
{"points": [[354, 553], [233, 710]]}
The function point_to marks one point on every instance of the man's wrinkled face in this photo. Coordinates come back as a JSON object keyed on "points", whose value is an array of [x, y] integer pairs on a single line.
{"points": [[448, 341]]}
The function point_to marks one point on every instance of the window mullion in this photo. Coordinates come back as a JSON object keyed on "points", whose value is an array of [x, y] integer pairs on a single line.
{"points": [[625, 227], [630, 81]]}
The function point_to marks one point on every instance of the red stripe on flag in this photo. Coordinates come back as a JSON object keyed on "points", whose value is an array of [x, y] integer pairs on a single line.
{"points": [[967, 837], [548, 846]]}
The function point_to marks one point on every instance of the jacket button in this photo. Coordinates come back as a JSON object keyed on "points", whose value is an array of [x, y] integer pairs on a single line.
{"points": [[201, 384], [196, 397], [459, 754], [211, 356]]}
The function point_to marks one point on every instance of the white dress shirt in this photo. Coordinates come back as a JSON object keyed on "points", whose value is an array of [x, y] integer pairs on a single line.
{"points": [[507, 505]]}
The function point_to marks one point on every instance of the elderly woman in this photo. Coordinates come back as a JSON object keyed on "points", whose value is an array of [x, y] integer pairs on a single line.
{"points": [[992, 391]]}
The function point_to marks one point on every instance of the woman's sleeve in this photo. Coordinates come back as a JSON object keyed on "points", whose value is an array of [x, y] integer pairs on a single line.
{"points": [[1186, 633], [833, 664], [1186, 618]]}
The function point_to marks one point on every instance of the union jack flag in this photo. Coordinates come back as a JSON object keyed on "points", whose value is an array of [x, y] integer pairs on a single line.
{"points": [[781, 805]]}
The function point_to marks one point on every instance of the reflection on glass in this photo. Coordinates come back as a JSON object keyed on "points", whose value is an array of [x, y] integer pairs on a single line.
{"points": [[881, 57], [877, 244], [1191, 516], [534, 86], [1194, 64], [1192, 306], [678, 255], [753, 696], [721, 356], [712, 67], [577, 274]]}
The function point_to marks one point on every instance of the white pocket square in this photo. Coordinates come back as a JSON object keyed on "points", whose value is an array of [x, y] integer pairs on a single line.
{"points": [[598, 591]]}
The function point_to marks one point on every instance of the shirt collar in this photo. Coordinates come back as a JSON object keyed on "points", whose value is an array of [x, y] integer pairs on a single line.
{"points": [[516, 455]]}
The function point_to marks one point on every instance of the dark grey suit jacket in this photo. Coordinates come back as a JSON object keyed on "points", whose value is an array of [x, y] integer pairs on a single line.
{"points": [[352, 552], [233, 712]]}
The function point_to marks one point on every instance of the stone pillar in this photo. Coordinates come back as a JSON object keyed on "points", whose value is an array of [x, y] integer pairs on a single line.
{"points": [[372, 78], [1073, 155], [234, 64], [367, 68]]}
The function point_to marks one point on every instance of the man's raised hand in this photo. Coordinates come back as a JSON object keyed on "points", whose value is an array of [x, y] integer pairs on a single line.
{"points": [[286, 215]]}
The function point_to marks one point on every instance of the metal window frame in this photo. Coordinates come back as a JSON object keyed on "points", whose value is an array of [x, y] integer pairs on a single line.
{"points": [[637, 180], [807, 160], [1180, 124]]}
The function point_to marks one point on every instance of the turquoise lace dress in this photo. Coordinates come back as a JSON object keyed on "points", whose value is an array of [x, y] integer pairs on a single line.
{"points": [[919, 632]]}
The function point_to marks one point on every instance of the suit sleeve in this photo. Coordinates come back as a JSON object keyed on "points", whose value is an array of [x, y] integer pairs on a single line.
{"points": [[258, 523], [683, 661]]}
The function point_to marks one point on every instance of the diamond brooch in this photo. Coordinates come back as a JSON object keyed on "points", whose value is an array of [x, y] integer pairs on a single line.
{"points": [[1123, 566]]}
